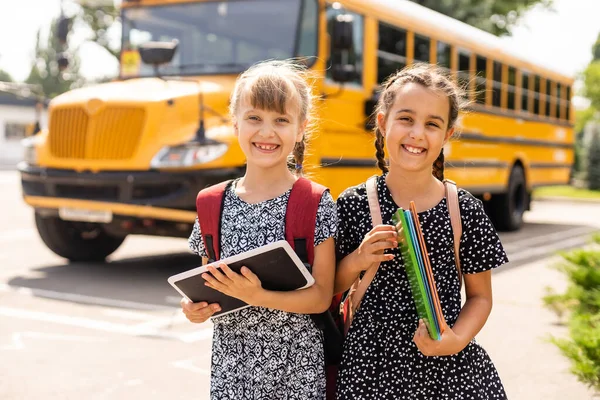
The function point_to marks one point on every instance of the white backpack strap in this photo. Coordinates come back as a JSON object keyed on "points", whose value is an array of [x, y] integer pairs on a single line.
{"points": [[360, 286], [455, 221]]}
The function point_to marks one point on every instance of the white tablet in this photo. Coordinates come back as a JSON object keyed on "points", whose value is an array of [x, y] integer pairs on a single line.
{"points": [[276, 265]]}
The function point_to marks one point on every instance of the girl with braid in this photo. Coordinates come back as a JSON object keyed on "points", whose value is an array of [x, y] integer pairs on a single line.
{"points": [[388, 353], [272, 349]]}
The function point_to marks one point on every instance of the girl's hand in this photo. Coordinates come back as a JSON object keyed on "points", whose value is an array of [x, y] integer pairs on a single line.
{"points": [[246, 287], [449, 344], [371, 249], [198, 312]]}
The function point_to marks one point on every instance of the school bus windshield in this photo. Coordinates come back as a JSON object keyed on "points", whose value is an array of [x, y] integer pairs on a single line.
{"points": [[222, 37]]}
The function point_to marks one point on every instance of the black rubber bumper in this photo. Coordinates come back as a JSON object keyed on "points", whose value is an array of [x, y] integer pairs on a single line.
{"points": [[176, 190]]}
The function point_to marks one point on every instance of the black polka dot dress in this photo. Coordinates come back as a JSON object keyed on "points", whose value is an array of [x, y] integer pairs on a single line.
{"points": [[380, 359]]}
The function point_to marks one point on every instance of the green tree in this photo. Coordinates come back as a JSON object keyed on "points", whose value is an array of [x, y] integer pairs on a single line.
{"points": [[594, 161], [495, 16], [98, 19], [5, 76], [596, 49], [591, 80], [45, 70]]}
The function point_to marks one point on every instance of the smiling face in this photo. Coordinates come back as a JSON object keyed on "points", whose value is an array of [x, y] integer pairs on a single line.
{"points": [[415, 127], [267, 136]]}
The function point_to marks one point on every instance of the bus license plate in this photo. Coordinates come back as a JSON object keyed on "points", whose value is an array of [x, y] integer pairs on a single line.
{"points": [[78, 214]]}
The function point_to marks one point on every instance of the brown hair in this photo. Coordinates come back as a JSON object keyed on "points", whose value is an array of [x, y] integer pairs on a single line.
{"points": [[432, 77], [272, 86]]}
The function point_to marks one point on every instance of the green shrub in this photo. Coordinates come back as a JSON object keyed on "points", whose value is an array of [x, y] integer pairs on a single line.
{"points": [[581, 302]]}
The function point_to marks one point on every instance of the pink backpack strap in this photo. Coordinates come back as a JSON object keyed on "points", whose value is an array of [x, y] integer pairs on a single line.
{"points": [[209, 206], [360, 286], [301, 216], [455, 221]]}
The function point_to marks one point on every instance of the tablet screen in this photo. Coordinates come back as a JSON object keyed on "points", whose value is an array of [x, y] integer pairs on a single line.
{"points": [[275, 269]]}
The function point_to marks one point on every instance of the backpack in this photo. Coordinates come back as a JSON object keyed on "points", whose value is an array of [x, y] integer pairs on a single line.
{"points": [[300, 220]]}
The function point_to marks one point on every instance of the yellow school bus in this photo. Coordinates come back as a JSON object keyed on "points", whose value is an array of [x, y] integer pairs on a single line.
{"points": [[129, 156]]}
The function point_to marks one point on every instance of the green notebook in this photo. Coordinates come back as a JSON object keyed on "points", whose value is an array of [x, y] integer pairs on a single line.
{"points": [[416, 279]]}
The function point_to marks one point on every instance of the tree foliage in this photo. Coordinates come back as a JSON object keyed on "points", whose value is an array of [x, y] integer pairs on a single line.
{"points": [[45, 70], [494, 16]]}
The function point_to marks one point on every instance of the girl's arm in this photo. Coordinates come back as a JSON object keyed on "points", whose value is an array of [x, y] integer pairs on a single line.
{"points": [[477, 308], [247, 287], [471, 319], [369, 253]]}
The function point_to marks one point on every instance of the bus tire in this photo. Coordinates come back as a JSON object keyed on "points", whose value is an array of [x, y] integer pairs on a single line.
{"points": [[507, 209], [72, 241]]}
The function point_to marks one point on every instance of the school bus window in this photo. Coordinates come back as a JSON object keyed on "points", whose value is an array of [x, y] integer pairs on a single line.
{"points": [[512, 80], [524, 91], [421, 48], [307, 45], [207, 44], [481, 66], [464, 58], [536, 95], [443, 54], [548, 98], [391, 52], [355, 55], [558, 100], [497, 79]]}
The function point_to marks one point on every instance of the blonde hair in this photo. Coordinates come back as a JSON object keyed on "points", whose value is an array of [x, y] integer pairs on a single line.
{"points": [[273, 86], [431, 77]]}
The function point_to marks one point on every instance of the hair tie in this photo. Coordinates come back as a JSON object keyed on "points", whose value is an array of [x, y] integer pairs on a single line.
{"points": [[298, 167]]}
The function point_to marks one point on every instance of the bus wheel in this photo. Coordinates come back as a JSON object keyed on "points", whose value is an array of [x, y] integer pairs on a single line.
{"points": [[76, 241], [507, 209]]}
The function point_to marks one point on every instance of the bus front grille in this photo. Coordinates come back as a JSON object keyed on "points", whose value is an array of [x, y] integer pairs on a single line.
{"points": [[111, 134]]}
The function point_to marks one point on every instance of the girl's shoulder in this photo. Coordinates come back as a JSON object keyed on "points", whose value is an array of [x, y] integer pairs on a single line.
{"points": [[471, 208], [467, 200], [355, 197], [354, 192]]}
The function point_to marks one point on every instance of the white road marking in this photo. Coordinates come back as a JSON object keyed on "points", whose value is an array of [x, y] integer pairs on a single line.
{"points": [[197, 336], [554, 237], [189, 365], [545, 251], [63, 337], [173, 300], [17, 343], [80, 298], [104, 326], [8, 179], [128, 315], [17, 234]]}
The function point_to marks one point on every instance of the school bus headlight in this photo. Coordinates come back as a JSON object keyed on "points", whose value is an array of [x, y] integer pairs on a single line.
{"points": [[188, 155], [29, 151]]}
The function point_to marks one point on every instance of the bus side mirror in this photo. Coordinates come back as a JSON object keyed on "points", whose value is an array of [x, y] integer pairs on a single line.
{"points": [[342, 42], [157, 53], [343, 72], [342, 35]]}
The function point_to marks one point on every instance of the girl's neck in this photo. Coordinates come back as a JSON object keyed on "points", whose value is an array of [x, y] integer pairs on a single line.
{"points": [[259, 184], [419, 186]]}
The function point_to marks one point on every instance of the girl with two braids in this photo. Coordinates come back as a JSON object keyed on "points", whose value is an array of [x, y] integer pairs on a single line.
{"points": [[388, 353]]}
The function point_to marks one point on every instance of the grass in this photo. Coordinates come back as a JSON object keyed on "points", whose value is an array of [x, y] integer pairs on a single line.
{"points": [[567, 192]]}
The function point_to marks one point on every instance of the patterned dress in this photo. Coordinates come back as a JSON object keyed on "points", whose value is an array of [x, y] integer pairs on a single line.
{"points": [[260, 353], [380, 359]]}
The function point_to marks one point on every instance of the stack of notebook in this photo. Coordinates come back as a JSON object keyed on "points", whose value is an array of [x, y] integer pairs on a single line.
{"points": [[418, 269]]}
